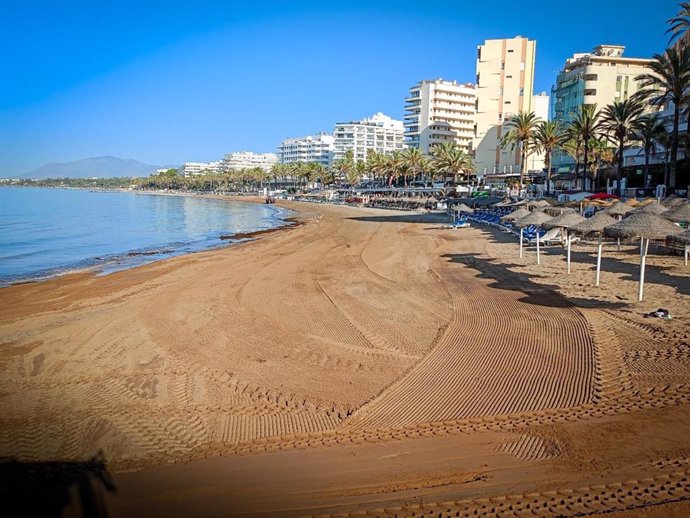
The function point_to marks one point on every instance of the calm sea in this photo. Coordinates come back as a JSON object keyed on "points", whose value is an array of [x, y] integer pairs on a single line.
{"points": [[45, 232]]}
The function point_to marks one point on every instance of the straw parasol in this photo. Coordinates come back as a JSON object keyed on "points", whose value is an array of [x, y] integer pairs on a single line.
{"points": [[681, 240], [632, 202], [516, 214], [595, 225], [539, 204], [652, 208], [672, 201], [565, 221], [618, 209], [533, 218], [679, 213], [646, 226]]}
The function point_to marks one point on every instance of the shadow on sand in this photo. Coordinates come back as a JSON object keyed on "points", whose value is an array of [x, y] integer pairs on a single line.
{"points": [[52, 488], [413, 217]]}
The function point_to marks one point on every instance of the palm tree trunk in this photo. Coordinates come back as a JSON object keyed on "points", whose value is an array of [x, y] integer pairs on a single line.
{"points": [[548, 172], [619, 168], [646, 167], [522, 166], [674, 148], [584, 175]]}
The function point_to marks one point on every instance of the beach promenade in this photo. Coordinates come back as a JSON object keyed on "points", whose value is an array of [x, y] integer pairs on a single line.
{"points": [[362, 361]]}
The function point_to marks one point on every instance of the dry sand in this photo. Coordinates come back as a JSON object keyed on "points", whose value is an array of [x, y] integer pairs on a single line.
{"points": [[364, 361]]}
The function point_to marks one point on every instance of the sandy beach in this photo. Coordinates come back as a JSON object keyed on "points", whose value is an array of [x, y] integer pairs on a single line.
{"points": [[364, 361]]}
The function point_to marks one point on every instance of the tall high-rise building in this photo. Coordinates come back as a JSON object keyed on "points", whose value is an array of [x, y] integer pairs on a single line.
{"points": [[596, 78], [248, 159], [505, 82], [312, 148], [439, 111], [378, 132]]}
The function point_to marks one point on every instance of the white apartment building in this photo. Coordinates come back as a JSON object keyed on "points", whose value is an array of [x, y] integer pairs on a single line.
{"points": [[378, 132], [596, 78], [440, 111], [200, 168], [505, 82], [248, 159], [312, 148]]}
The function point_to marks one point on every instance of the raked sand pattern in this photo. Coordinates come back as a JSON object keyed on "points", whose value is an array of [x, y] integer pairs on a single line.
{"points": [[357, 329]]}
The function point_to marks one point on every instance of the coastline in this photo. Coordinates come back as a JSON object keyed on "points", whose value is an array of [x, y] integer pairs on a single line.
{"points": [[127, 260], [361, 361]]}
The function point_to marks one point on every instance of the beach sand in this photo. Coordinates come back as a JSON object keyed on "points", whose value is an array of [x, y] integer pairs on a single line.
{"points": [[363, 361]]}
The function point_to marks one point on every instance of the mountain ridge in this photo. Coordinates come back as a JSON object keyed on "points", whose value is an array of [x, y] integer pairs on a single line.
{"points": [[107, 166]]}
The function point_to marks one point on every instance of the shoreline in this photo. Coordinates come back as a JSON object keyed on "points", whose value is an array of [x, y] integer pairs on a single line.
{"points": [[101, 266], [303, 369]]}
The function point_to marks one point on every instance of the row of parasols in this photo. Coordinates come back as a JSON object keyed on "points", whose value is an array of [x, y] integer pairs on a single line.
{"points": [[651, 221]]}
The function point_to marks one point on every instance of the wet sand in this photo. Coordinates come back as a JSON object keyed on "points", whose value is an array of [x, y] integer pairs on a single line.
{"points": [[363, 361]]}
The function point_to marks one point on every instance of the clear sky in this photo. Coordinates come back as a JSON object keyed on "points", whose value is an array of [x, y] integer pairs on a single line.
{"points": [[165, 82]]}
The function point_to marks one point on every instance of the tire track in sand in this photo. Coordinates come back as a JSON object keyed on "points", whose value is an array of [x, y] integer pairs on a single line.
{"points": [[503, 353]]}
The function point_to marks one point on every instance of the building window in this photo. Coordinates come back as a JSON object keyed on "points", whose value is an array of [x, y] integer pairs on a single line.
{"points": [[479, 53], [511, 50], [522, 92], [591, 77], [503, 65], [509, 77], [591, 91]]}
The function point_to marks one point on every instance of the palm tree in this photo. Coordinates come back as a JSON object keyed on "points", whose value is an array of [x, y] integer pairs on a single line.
{"points": [[449, 158], [345, 164], [617, 122], [376, 163], [521, 129], [584, 127], [395, 165], [668, 81], [680, 23], [548, 137], [649, 130], [601, 155], [414, 160]]}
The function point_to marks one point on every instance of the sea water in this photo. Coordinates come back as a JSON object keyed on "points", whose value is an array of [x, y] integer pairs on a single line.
{"points": [[46, 232]]}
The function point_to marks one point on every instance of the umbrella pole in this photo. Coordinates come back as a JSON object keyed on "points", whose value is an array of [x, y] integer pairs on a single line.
{"points": [[520, 242], [601, 245], [538, 257], [619, 239], [687, 249], [568, 254], [643, 261]]}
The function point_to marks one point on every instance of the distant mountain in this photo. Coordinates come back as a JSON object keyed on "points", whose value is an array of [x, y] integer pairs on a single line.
{"points": [[100, 167]]}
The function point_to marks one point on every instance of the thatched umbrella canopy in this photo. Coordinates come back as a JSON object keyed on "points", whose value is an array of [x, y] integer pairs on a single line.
{"points": [[432, 199], [533, 218], [681, 240], [618, 209], [463, 208], [652, 208], [642, 225], [595, 224], [673, 201], [567, 220], [646, 226], [516, 214], [678, 213], [632, 202], [539, 204]]}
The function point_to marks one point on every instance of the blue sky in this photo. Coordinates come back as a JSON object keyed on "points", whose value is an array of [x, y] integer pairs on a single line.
{"points": [[168, 81]]}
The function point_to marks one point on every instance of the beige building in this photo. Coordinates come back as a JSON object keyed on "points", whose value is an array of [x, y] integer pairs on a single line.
{"points": [[439, 111], [505, 81], [238, 160], [596, 78]]}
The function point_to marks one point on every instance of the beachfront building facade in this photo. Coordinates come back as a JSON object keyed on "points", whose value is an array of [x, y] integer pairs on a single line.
{"points": [[378, 133], [247, 159], [199, 168], [505, 82], [312, 148], [440, 111], [596, 78]]}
